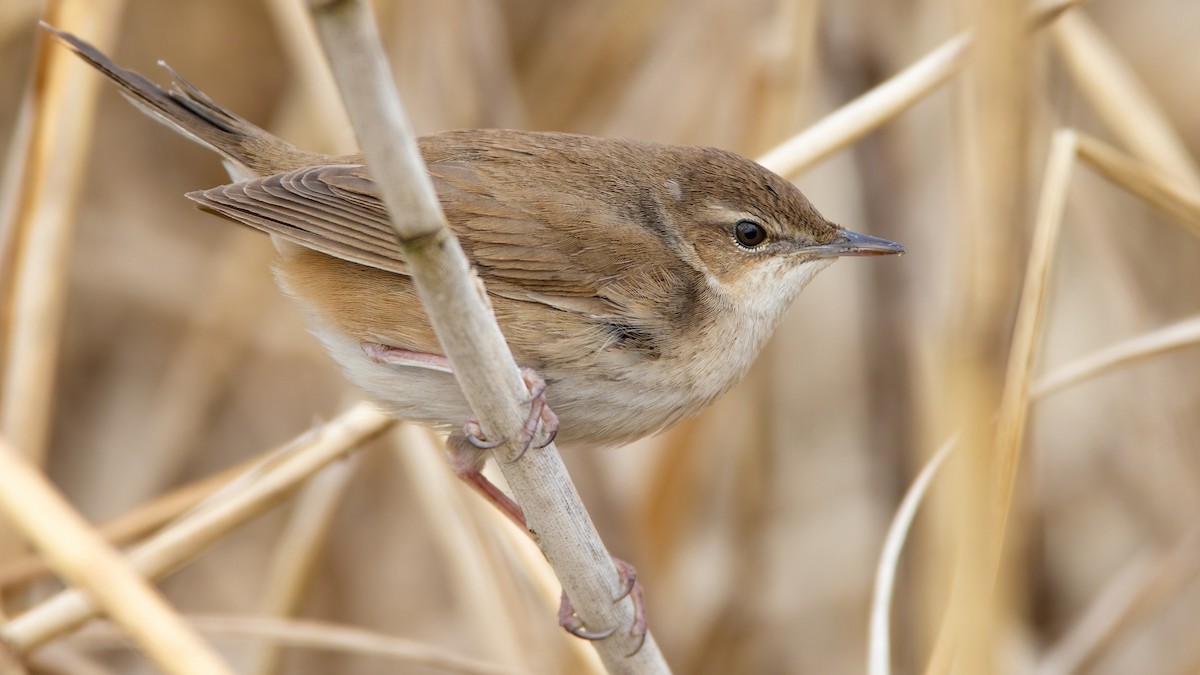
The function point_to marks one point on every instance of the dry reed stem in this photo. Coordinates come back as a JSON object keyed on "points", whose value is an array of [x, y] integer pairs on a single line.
{"points": [[1131, 596], [992, 114], [311, 109], [1163, 340], [529, 561], [1156, 188], [482, 363], [879, 639], [1116, 93], [294, 557], [81, 556], [482, 595], [1126, 591], [846, 125], [1001, 465], [322, 636], [1151, 186], [137, 522], [170, 549], [1014, 401], [60, 103], [514, 551], [1148, 184]]}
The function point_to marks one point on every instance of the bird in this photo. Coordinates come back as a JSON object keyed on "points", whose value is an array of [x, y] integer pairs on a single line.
{"points": [[635, 282]]}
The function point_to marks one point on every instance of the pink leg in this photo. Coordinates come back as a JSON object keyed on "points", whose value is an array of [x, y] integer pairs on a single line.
{"points": [[628, 575], [467, 457], [467, 462], [403, 357]]}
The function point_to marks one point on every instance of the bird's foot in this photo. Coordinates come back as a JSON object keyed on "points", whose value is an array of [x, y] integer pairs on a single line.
{"points": [[540, 414], [629, 588]]}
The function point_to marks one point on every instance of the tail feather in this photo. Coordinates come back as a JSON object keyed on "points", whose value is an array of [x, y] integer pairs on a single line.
{"points": [[252, 151]]}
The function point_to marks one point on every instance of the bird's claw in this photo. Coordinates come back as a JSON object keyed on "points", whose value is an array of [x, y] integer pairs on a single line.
{"points": [[630, 589], [539, 414], [574, 625], [474, 435]]}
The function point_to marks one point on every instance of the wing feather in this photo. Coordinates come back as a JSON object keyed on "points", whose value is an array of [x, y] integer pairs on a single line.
{"points": [[531, 251]]}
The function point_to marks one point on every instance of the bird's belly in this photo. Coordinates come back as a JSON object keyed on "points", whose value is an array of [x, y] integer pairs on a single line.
{"points": [[592, 412], [619, 411]]}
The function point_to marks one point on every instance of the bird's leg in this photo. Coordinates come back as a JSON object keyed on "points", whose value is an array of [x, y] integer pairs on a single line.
{"points": [[466, 448], [467, 454], [381, 353], [630, 588], [467, 460]]}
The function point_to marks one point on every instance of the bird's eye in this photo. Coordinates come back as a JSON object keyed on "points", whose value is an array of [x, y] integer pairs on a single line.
{"points": [[749, 233]]}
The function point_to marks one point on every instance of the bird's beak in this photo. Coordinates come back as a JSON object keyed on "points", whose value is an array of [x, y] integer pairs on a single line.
{"points": [[850, 243]]}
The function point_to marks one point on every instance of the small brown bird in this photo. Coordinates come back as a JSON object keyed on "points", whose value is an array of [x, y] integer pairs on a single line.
{"points": [[639, 280]]}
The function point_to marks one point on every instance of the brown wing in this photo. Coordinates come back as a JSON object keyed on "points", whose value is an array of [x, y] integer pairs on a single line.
{"points": [[336, 210]]}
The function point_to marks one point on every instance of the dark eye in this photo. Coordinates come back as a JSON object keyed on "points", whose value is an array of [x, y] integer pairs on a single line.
{"points": [[749, 233]]}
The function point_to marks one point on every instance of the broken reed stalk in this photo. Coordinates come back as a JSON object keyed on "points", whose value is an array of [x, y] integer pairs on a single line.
{"points": [[170, 549], [81, 556], [458, 310]]}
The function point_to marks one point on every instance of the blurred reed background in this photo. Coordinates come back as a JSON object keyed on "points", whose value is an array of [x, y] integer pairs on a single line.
{"points": [[755, 527]]}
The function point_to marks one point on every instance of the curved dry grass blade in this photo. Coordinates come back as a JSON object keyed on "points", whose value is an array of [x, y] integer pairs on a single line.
{"points": [[868, 112], [233, 506], [1143, 180], [80, 555], [1124, 104], [324, 636], [1138, 348], [295, 556], [879, 639]]}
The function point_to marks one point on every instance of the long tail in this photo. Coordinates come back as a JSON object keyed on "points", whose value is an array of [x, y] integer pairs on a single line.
{"points": [[248, 150]]}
